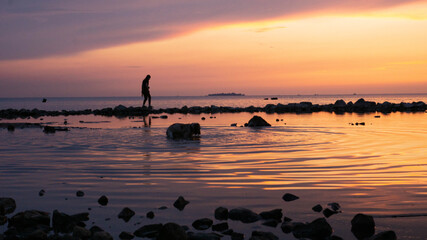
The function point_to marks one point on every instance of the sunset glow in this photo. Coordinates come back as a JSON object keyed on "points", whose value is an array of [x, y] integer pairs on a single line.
{"points": [[378, 50]]}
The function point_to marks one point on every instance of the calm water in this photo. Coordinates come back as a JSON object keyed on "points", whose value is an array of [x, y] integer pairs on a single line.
{"points": [[378, 169], [170, 102]]}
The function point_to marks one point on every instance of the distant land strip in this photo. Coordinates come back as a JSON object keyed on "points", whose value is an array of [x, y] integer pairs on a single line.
{"points": [[340, 106]]}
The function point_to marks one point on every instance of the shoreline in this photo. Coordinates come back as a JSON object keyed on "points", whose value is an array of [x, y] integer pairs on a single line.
{"points": [[340, 106]]}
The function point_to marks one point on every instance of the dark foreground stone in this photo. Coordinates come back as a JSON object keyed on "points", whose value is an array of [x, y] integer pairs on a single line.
{"points": [[362, 226], [257, 121], [244, 215], [7, 206], [172, 231], [180, 203], [318, 229]]}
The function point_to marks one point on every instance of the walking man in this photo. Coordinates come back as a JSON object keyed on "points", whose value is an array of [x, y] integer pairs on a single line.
{"points": [[145, 91]]}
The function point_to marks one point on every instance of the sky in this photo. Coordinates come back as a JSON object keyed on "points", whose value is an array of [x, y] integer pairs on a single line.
{"points": [[79, 48]]}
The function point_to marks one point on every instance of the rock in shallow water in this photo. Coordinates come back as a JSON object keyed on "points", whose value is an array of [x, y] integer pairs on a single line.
{"points": [[362, 226], [180, 203], [126, 236], [273, 214], [258, 235], [183, 131], [287, 197], [148, 231], [221, 213], [257, 121], [318, 229], [244, 215], [103, 200], [29, 219], [126, 214], [317, 208]]}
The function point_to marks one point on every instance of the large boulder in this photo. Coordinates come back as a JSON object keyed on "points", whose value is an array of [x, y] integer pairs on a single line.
{"points": [[30, 219], [318, 229], [362, 226], [183, 131], [257, 121], [171, 231]]}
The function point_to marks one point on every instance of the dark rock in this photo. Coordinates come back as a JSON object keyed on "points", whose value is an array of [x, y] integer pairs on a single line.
{"points": [[273, 214], [180, 203], [150, 215], [287, 197], [203, 236], [7, 206], [126, 214], [318, 229], [102, 236], [163, 116], [81, 233], [335, 206], [37, 234], [233, 125], [221, 213], [49, 129], [126, 236], [388, 235], [362, 226], [10, 128], [340, 103], [328, 212], [80, 193], [183, 131], [81, 217], [3, 220], [317, 208], [44, 100], [29, 219], [42, 192], [148, 231], [274, 98], [244, 215], [237, 236], [203, 118], [271, 223], [202, 224], [258, 235], [287, 227], [333, 237], [220, 227], [257, 121], [95, 229], [63, 223], [286, 219], [172, 231], [103, 200], [163, 208]]}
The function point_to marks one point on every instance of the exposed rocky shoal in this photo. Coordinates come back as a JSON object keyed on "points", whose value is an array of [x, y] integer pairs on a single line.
{"points": [[40, 225], [340, 106]]}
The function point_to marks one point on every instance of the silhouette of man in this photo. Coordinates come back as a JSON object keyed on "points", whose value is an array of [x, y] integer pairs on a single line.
{"points": [[145, 91]]}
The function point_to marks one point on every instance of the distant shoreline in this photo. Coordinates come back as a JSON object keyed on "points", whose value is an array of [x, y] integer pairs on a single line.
{"points": [[340, 106]]}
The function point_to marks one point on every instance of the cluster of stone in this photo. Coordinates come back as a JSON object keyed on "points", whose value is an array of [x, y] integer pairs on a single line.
{"points": [[340, 106], [39, 225]]}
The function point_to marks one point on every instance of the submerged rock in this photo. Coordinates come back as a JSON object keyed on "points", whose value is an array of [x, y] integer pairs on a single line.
{"points": [[183, 131], [80, 193], [257, 121], [362, 226]]}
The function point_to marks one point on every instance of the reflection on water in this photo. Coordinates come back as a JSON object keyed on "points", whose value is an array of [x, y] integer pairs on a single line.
{"points": [[379, 168]]}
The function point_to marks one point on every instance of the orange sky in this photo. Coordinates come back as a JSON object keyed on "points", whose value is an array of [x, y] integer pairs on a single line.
{"points": [[370, 51]]}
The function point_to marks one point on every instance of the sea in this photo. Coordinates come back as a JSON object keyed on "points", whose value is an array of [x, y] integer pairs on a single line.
{"points": [[379, 168]]}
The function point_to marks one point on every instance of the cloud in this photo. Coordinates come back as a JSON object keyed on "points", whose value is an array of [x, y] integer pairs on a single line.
{"points": [[33, 29]]}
